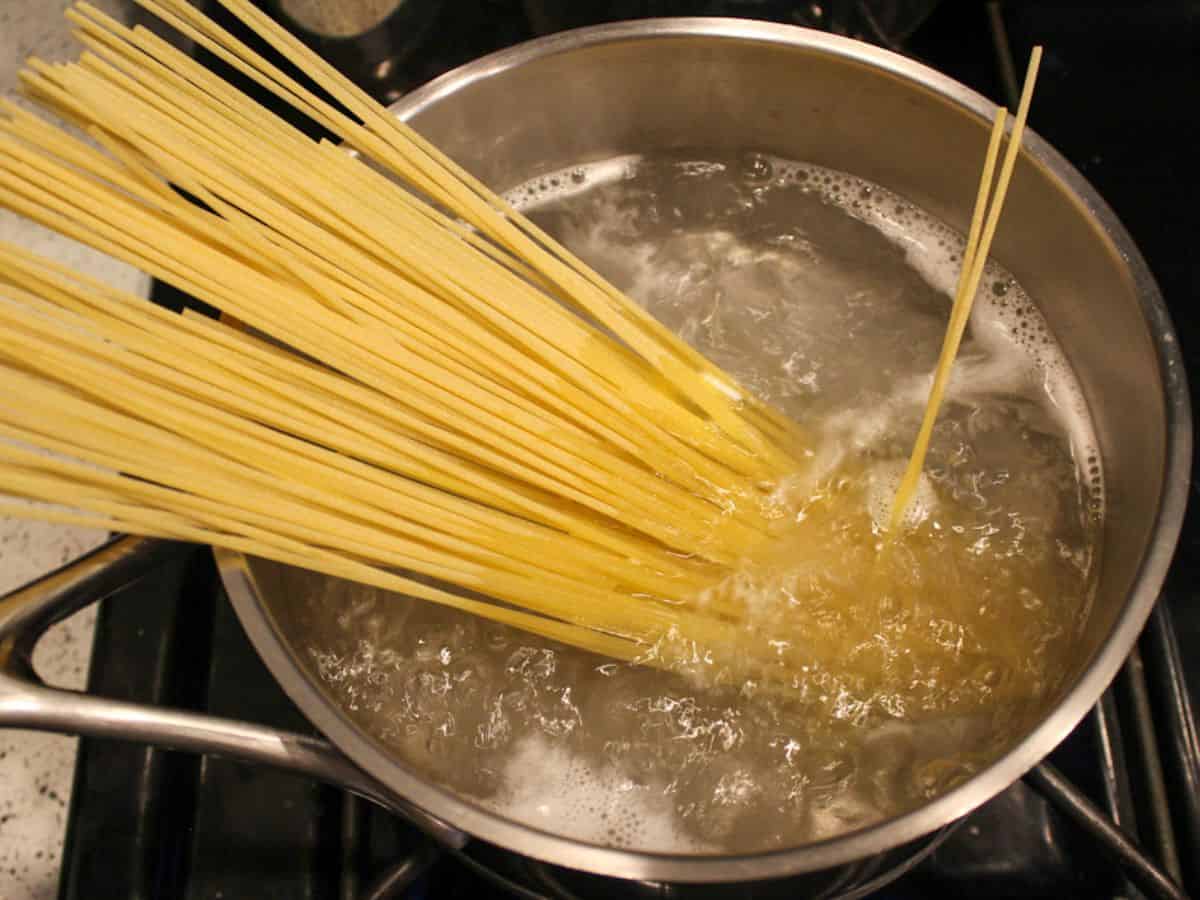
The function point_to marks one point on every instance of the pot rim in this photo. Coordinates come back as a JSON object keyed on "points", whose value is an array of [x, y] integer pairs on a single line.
{"points": [[890, 833]]}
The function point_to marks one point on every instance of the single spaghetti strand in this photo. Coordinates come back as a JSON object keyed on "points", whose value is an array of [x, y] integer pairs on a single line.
{"points": [[967, 289], [916, 461]]}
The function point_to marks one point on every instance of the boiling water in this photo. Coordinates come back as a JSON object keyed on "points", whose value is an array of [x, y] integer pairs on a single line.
{"points": [[901, 672]]}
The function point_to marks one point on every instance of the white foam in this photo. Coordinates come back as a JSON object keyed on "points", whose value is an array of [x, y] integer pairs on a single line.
{"points": [[1021, 354], [547, 786], [567, 183], [882, 484]]}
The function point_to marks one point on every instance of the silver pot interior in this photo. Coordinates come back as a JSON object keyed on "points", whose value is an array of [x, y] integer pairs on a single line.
{"points": [[733, 86]]}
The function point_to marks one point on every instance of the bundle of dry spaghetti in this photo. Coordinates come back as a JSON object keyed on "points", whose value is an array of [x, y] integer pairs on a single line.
{"points": [[420, 391], [426, 383]]}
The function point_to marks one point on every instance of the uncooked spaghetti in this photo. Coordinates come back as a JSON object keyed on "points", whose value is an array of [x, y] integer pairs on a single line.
{"points": [[425, 391]]}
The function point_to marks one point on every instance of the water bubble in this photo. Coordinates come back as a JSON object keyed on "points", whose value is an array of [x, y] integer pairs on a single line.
{"points": [[756, 168]]}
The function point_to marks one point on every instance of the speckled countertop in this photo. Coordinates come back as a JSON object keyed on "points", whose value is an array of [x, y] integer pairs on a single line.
{"points": [[36, 770]]}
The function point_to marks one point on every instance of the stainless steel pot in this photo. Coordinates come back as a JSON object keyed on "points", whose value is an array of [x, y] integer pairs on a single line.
{"points": [[712, 84]]}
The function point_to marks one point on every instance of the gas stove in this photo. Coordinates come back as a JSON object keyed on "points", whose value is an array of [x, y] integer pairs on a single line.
{"points": [[1116, 97]]}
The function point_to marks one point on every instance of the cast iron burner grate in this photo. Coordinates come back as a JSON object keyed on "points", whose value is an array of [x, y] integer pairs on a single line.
{"points": [[148, 823]]}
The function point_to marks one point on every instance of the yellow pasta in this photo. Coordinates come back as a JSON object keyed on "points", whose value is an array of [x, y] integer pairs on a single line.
{"points": [[422, 384], [428, 384], [975, 254]]}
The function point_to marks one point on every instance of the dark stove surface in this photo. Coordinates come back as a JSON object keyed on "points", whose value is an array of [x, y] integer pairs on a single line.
{"points": [[1117, 96]]}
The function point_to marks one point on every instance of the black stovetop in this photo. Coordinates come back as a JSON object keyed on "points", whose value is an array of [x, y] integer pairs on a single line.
{"points": [[1117, 96]]}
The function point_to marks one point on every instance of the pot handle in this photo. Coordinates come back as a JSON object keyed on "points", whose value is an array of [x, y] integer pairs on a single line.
{"points": [[25, 702]]}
